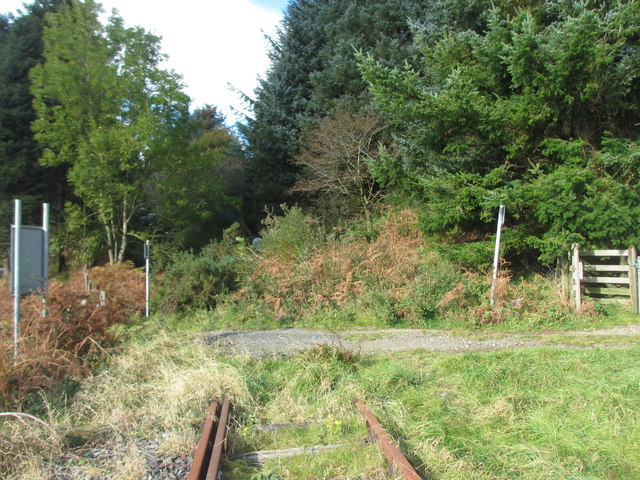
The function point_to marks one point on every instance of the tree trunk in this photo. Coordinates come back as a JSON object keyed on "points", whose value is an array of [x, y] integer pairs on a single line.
{"points": [[110, 242], [123, 241]]}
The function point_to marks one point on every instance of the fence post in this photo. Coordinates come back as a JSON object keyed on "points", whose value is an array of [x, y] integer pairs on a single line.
{"points": [[576, 276], [564, 279], [496, 255], [633, 278]]}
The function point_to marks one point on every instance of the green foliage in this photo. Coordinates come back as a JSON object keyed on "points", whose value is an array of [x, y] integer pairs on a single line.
{"points": [[198, 195], [474, 255], [538, 111], [78, 236], [313, 71], [291, 236], [21, 176], [196, 281], [107, 110]]}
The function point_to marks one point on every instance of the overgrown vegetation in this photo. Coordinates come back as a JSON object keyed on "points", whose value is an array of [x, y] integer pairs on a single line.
{"points": [[57, 350], [530, 413], [364, 188], [389, 274]]}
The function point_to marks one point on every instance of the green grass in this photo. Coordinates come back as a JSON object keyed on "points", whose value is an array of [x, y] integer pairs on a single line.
{"points": [[526, 414], [537, 413]]}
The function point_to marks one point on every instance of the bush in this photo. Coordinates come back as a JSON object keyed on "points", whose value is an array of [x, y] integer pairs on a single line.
{"points": [[195, 281], [57, 349], [288, 237], [388, 277]]}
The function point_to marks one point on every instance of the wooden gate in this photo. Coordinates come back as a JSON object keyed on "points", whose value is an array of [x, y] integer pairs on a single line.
{"points": [[609, 276]]}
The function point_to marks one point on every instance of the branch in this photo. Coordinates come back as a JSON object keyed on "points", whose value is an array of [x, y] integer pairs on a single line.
{"points": [[22, 416]]}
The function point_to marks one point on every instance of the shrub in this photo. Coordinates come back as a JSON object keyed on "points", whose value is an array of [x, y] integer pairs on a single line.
{"points": [[195, 281], [389, 275], [57, 349], [288, 237]]}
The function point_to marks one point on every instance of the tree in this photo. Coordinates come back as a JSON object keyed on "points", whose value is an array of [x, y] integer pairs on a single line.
{"points": [[521, 113], [107, 110], [314, 70], [336, 158], [21, 176], [199, 196]]}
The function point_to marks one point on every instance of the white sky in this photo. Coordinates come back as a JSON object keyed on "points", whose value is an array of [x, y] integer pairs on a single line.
{"points": [[211, 43]]}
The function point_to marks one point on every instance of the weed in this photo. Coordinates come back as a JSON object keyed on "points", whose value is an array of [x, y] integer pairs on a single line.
{"points": [[265, 476]]}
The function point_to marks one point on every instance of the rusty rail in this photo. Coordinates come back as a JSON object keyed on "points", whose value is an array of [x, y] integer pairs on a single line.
{"points": [[221, 435], [206, 460], [390, 449]]}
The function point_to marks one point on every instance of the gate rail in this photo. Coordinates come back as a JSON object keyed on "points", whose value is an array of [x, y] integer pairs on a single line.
{"points": [[609, 276]]}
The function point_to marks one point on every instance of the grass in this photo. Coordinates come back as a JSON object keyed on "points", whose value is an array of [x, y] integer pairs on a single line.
{"points": [[528, 414], [538, 413]]}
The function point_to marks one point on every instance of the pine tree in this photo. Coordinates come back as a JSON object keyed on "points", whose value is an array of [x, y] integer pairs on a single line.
{"points": [[21, 176], [314, 70]]}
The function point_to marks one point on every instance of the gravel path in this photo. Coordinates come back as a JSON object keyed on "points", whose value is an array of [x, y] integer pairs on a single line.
{"points": [[264, 343]]}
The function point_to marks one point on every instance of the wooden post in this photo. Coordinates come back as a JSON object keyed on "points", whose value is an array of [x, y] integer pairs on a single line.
{"points": [[562, 275], [633, 278], [576, 276], [496, 254]]}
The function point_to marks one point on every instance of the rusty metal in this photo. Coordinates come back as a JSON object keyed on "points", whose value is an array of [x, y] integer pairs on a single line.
{"points": [[203, 450], [389, 448], [218, 444]]}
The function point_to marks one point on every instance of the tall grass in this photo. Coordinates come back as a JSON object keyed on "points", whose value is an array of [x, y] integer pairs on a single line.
{"points": [[531, 414], [153, 389]]}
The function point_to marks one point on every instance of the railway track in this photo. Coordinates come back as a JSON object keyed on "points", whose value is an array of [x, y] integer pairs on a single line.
{"points": [[212, 443]]}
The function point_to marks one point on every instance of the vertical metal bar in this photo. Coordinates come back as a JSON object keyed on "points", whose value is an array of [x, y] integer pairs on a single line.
{"points": [[17, 222], [45, 247], [45, 256], [496, 254], [147, 254]]}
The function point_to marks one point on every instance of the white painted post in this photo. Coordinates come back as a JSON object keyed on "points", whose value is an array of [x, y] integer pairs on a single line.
{"points": [[45, 256], [577, 276], [147, 254], [634, 285], [17, 222], [45, 246], [496, 254]]}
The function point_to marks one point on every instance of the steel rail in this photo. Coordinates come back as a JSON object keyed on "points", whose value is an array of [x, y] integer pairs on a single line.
{"points": [[221, 435], [203, 450], [391, 450]]}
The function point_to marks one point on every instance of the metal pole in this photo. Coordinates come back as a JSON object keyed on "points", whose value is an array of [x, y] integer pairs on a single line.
{"points": [[45, 256], [17, 222], [147, 254], [45, 247], [496, 254]]}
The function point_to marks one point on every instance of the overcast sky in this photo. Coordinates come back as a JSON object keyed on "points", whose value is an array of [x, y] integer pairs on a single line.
{"points": [[211, 43]]}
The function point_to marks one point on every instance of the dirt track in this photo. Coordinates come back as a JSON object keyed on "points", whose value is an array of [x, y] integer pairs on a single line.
{"points": [[263, 343]]}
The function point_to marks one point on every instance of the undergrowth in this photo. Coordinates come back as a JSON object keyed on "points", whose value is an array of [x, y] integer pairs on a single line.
{"points": [[528, 414], [392, 276], [58, 349]]}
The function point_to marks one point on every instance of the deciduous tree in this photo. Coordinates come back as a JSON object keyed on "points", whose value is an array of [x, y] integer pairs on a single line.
{"points": [[107, 110], [336, 159]]}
